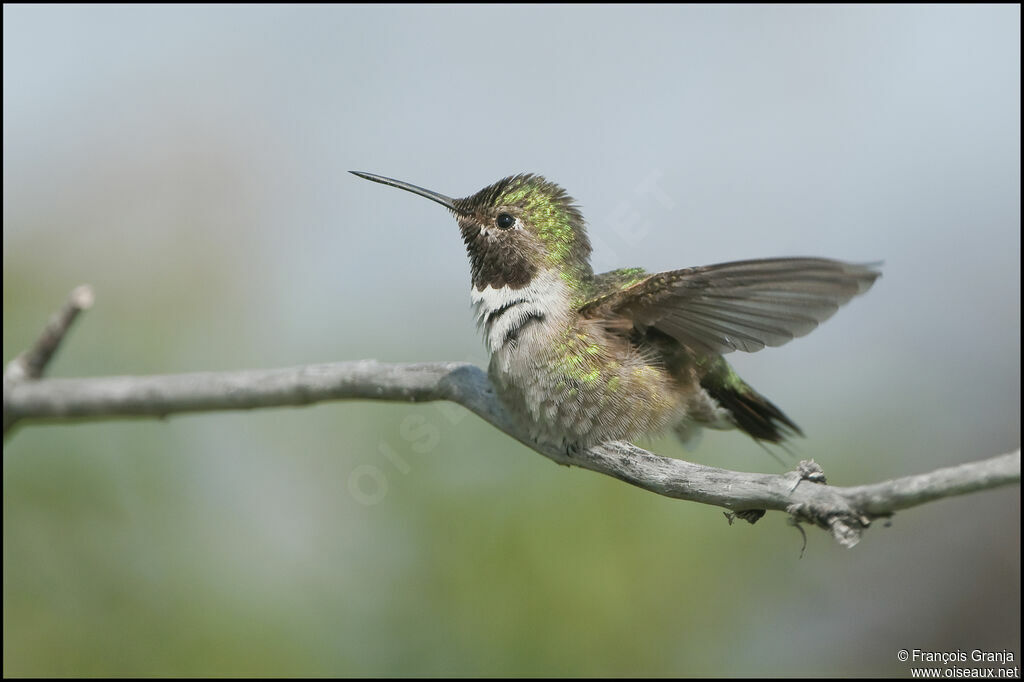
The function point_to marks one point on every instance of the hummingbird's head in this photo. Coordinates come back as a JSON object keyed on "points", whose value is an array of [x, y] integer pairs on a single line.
{"points": [[514, 229]]}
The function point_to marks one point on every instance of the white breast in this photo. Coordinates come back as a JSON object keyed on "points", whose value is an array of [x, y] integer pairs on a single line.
{"points": [[511, 318]]}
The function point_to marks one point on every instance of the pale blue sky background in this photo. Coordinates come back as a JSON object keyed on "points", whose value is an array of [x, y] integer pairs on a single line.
{"points": [[190, 163]]}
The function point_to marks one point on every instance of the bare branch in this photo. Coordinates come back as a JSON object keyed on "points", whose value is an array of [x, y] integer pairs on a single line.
{"points": [[845, 512], [31, 363]]}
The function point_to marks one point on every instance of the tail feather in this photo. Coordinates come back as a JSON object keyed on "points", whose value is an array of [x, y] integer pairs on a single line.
{"points": [[751, 411]]}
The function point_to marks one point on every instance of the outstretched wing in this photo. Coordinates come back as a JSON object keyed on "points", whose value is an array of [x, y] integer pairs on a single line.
{"points": [[745, 305]]}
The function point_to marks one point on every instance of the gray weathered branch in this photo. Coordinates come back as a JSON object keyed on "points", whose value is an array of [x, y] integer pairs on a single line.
{"points": [[32, 363], [845, 512]]}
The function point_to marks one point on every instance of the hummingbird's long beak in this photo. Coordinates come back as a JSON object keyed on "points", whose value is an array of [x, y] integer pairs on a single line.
{"points": [[447, 202]]}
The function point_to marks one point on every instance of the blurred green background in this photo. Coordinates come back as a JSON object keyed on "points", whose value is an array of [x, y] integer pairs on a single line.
{"points": [[189, 163]]}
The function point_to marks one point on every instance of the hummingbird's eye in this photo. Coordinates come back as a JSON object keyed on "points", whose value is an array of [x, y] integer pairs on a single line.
{"points": [[505, 220]]}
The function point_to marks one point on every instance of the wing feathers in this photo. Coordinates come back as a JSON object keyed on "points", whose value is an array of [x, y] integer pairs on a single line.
{"points": [[745, 305]]}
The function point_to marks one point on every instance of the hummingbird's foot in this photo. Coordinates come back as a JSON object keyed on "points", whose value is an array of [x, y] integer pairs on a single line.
{"points": [[751, 516], [572, 450]]}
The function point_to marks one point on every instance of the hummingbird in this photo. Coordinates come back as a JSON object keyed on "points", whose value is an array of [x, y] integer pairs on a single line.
{"points": [[581, 358]]}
